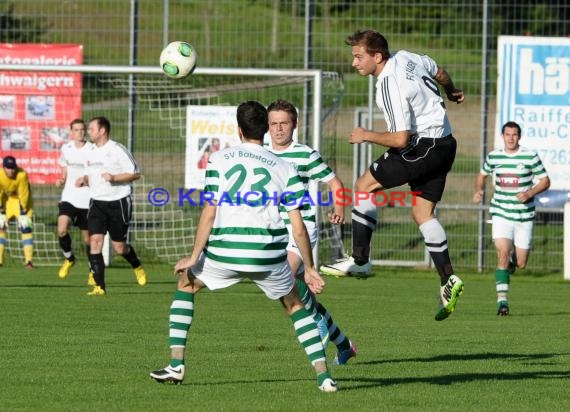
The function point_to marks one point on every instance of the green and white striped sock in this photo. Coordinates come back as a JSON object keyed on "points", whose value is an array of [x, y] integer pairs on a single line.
{"points": [[502, 280], [306, 297], [180, 319], [308, 335], [336, 335]]}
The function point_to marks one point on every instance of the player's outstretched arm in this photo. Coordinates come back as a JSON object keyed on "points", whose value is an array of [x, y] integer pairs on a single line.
{"points": [[63, 177], [315, 281], [444, 79], [479, 188], [336, 217], [396, 140], [542, 185], [205, 225]]}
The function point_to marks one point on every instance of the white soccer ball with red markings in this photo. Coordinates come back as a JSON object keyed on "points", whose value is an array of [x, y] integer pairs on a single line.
{"points": [[178, 59]]}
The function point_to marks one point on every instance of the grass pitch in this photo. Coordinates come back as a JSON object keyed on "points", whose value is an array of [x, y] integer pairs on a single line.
{"points": [[64, 351]]}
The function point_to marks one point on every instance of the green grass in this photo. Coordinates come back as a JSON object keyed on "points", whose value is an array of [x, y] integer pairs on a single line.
{"points": [[62, 350]]}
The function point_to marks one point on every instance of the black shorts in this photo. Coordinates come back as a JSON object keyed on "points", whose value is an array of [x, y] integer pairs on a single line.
{"points": [[111, 216], [78, 216], [424, 167]]}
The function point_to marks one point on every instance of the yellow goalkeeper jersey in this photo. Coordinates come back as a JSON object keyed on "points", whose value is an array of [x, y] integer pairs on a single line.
{"points": [[16, 188]]}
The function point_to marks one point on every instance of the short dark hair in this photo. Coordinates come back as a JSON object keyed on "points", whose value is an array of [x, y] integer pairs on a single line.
{"points": [[513, 125], [252, 120], [281, 105], [76, 121], [9, 162], [103, 123], [372, 41]]}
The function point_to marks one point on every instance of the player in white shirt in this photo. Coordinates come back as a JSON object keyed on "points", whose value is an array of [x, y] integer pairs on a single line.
{"points": [[311, 167], [111, 169], [74, 200], [421, 151], [240, 235], [519, 175]]}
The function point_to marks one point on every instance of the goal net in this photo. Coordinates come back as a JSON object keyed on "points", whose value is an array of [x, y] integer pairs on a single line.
{"points": [[148, 115], [169, 99]]}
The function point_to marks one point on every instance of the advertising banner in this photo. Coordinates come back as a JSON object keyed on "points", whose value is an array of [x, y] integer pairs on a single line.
{"points": [[37, 107], [209, 129], [533, 90]]}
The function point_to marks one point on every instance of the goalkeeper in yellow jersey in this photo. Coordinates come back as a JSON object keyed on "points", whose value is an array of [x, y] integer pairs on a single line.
{"points": [[16, 203]]}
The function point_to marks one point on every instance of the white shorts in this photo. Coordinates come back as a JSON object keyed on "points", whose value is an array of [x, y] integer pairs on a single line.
{"points": [[519, 232], [313, 236], [274, 283]]}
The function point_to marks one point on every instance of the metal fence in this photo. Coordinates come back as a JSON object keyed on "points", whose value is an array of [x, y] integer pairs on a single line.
{"points": [[291, 34]]}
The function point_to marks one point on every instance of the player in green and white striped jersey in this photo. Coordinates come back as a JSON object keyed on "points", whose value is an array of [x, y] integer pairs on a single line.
{"points": [[519, 175], [311, 167], [242, 235]]}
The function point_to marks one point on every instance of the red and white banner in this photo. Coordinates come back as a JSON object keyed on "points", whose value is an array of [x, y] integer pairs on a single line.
{"points": [[37, 107]]}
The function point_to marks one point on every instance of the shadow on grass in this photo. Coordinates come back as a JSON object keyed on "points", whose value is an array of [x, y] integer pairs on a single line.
{"points": [[468, 357], [356, 383], [36, 286], [368, 382]]}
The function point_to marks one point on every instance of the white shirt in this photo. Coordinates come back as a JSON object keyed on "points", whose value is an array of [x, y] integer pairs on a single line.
{"points": [[112, 158], [74, 160], [409, 97]]}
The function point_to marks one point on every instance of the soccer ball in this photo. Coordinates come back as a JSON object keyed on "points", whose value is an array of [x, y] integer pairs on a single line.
{"points": [[178, 59]]}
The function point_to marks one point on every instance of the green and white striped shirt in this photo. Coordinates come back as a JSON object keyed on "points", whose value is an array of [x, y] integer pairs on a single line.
{"points": [[310, 166], [513, 173], [250, 235]]}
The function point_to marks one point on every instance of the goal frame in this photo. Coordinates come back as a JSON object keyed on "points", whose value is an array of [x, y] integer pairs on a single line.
{"points": [[314, 76]]}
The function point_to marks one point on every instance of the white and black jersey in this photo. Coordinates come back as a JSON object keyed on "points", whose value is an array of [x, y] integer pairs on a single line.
{"points": [[408, 95], [74, 159], [112, 158]]}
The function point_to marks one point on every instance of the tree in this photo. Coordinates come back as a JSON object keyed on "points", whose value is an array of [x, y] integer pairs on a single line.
{"points": [[14, 29]]}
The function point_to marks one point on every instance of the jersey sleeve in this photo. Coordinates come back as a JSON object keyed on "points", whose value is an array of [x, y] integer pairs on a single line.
{"points": [[429, 64], [212, 179], [62, 157], [487, 168], [294, 191], [24, 193], [318, 169], [538, 167], [127, 160]]}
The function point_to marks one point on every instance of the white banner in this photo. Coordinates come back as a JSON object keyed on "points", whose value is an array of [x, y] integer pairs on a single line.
{"points": [[533, 89], [209, 129]]}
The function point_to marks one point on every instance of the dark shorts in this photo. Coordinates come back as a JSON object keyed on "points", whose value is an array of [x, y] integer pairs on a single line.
{"points": [[424, 167], [111, 216], [78, 216]]}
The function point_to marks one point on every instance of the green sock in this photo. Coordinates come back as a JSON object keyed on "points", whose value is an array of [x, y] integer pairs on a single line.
{"points": [[502, 280], [306, 296], [180, 319], [308, 335], [322, 376]]}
